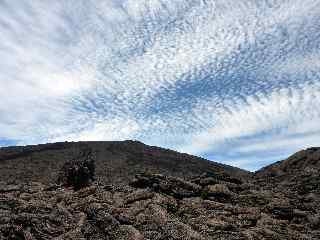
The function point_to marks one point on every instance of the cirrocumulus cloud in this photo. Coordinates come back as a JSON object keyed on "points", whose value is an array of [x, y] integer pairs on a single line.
{"points": [[234, 81]]}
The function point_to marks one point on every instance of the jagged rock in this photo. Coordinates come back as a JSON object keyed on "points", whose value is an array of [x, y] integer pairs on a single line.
{"points": [[79, 172], [219, 192], [176, 187], [210, 206], [128, 232], [96, 212], [139, 195], [5, 187], [216, 225], [314, 220], [285, 213]]}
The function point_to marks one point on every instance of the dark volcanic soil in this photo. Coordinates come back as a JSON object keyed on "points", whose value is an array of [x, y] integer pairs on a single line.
{"points": [[116, 162], [145, 192]]}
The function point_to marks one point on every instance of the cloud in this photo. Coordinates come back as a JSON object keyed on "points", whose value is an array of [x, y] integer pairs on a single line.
{"points": [[285, 110], [204, 77]]}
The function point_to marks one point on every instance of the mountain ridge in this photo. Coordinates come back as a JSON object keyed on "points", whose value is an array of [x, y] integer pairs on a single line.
{"points": [[142, 192], [112, 156]]}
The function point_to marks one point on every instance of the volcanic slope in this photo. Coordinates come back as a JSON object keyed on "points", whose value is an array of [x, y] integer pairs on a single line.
{"points": [[116, 162], [149, 193]]}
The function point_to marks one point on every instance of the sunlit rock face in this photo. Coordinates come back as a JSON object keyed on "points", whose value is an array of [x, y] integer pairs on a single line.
{"points": [[229, 80]]}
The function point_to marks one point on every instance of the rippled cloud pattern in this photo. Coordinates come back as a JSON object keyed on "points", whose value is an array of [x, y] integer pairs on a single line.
{"points": [[234, 81]]}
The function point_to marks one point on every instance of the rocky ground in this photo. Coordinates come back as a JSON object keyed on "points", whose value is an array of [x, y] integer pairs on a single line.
{"points": [[116, 162], [279, 202]]}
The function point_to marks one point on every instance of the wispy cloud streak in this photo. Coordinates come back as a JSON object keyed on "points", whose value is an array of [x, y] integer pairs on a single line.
{"points": [[220, 78]]}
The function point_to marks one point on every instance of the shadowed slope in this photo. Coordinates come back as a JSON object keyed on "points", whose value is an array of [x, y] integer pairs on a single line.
{"points": [[298, 174], [281, 201], [302, 161], [116, 162]]}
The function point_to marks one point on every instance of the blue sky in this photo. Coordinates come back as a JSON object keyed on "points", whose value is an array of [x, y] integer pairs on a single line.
{"points": [[234, 81]]}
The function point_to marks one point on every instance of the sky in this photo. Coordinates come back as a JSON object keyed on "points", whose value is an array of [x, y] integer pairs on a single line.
{"points": [[236, 82]]}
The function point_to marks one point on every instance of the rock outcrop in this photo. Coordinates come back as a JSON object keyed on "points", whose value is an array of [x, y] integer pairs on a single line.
{"points": [[155, 206], [78, 172], [270, 204]]}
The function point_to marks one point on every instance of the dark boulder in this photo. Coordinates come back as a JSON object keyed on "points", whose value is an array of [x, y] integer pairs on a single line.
{"points": [[78, 172]]}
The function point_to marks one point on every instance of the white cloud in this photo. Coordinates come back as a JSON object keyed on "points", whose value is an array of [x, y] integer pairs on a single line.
{"points": [[278, 114], [299, 64], [191, 75]]}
